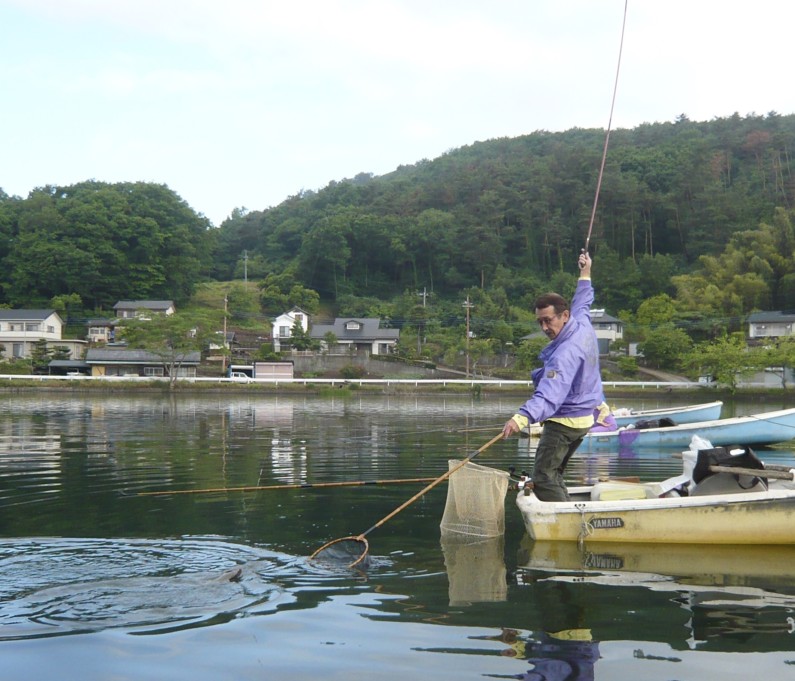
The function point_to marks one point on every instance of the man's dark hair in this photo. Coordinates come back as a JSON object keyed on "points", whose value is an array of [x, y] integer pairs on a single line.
{"points": [[555, 300]]}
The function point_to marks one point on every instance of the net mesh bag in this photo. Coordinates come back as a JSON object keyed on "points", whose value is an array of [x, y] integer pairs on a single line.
{"points": [[475, 501]]}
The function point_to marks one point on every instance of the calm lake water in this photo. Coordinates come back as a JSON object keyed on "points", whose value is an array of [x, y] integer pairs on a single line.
{"points": [[101, 580]]}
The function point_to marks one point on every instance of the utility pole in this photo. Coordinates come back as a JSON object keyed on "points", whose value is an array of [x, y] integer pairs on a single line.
{"points": [[245, 269], [424, 295], [223, 346], [468, 306]]}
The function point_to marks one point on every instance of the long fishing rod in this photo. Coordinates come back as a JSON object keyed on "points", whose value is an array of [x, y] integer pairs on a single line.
{"points": [[299, 485], [607, 134]]}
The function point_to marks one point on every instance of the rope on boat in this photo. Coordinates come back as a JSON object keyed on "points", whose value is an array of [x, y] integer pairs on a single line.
{"points": [[586, 528]]}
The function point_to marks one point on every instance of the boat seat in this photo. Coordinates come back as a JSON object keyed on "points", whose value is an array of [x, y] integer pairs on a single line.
{"points": [[619, 491], [615, 490], [728, 483]]}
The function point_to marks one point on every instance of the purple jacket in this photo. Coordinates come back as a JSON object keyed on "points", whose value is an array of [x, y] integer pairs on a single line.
{"points": [[569, 384]]}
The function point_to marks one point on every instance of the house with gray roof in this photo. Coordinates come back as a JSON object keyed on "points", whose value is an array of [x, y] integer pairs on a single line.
{"points": [[101, 330], [358, 335], [770, 324], [129, 309], [124, 361], [608, 329]]}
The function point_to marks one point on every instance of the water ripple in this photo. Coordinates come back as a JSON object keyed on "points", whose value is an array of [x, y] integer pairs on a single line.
{"points": [[54, 586]]}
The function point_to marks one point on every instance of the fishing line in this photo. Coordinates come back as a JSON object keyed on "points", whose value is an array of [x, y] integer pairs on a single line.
{"points": [[607, 134]]}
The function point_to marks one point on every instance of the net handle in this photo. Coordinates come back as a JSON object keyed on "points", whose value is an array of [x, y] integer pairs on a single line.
{"points": [[361, 538], [429, 487]]}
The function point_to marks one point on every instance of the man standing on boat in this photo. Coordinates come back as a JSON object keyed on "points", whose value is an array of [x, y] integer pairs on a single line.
{"points": [[567, 388]]}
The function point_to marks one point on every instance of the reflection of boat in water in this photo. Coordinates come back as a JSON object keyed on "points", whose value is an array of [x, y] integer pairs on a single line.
{"points": [[738, 598], [688, 564]]}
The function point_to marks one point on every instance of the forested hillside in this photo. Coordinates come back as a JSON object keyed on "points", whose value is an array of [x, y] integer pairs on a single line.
{"points": [[693, 230], [513, 212], [101, 242]]}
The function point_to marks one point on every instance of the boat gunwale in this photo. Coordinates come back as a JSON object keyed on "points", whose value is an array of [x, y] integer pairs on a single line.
{"points": [[779, 426], [730, 421], [535, 506], [663, 411]]}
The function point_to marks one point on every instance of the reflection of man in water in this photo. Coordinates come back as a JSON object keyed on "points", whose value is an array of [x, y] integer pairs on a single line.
{"points": [[568, 655], [564, 651]]}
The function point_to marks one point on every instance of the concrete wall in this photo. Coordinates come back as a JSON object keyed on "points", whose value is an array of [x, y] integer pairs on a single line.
{"points": [[314, 363]]}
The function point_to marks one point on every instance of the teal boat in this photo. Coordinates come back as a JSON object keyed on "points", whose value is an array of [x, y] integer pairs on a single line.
{"points": [[691, 413], [766, 428]]}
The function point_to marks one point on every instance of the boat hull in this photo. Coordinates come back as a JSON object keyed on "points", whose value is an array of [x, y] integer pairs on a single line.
{"points": [[682, 414], [755, 429], [745, 518]]}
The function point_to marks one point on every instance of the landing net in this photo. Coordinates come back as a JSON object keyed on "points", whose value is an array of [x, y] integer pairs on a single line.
{"points": [[475, 504], [343, 552]]}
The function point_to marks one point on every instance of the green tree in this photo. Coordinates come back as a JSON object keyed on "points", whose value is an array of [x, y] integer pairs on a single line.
{"points": [[303, 297], [104, 243], [60, 352], [63, 303], [40, 357], [657, 310], [172, 337], [528, 350], [330, 338], [726, 359], [325, 255], [665, 347], [299, 339], [627, 366], [478, 350], [780, 354], [502, 334], [282, 291]]}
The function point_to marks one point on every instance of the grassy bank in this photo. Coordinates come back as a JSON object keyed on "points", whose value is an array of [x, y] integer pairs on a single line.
{"points": [[342, 387]]}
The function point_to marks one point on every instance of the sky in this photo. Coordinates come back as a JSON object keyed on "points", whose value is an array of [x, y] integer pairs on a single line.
{"points": [[240, 104]]}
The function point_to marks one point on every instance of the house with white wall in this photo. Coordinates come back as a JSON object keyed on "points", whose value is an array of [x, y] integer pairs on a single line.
{"points": [[283, 326], [20, 330], [101, 330], [770, 324], [608, 329]]}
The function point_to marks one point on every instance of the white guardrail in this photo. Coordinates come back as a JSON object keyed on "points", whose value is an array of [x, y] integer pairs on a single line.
{"points": [[443, 382]]}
